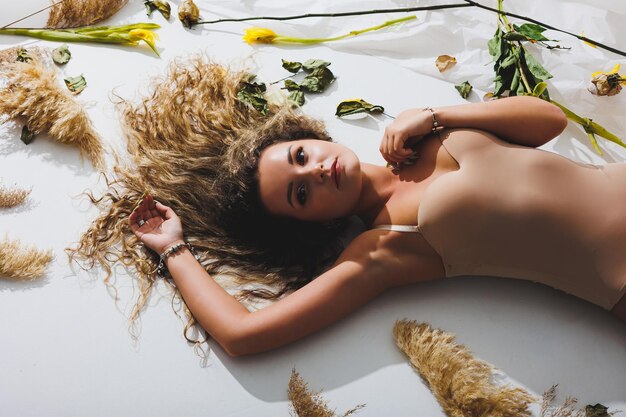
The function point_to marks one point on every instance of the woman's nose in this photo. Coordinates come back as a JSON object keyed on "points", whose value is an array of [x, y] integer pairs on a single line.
{"points": [[317, 173]]}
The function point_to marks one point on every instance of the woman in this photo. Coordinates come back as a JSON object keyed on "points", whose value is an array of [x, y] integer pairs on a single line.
{"points": [[478, 200]]}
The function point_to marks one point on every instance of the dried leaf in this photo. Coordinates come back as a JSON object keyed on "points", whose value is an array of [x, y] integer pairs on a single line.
{"points": [[61, 55], [162, 6], [318, 80], [188, 13], [445, 62], [312, 64], [532, 31], [23, 56], [27, 136], [292, 66], [464, 89], [296, 97], [597, 410], [75, 84], [348, 107], [489, 96], [291, 85], [253, 94]]}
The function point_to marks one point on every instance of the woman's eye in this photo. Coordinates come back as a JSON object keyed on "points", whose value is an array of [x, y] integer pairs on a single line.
{"points": [[300, 156], [301, 195]]}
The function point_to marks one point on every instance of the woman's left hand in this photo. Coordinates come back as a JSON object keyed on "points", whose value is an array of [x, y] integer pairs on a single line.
{"points": [[404, 132]]}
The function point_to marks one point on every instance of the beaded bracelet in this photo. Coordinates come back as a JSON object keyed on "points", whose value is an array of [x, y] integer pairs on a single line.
{"points": [[161, 268], [436, 126]]}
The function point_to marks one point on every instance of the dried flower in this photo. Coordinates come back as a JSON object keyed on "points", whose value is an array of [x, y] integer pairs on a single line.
{"points": [[77, 13], [461, 383], [188, 13], [607, 83], [256, 35], [19, 262], [308, 404], [32, 95], [11, 197]]}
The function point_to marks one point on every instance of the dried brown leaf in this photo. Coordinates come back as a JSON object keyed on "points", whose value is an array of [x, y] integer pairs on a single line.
{"points": [[461, 383], [22, 263], [445, 62], [76, 13]]}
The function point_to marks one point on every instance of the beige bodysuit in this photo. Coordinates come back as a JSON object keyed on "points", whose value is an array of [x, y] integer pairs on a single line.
{"points": [[518, 212]]}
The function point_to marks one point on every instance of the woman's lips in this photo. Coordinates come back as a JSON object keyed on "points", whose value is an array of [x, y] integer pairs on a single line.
{"points": [[336, 172]]}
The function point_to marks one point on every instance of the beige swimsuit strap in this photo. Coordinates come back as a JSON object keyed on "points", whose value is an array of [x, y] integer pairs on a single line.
{"points": [[399, 228]]}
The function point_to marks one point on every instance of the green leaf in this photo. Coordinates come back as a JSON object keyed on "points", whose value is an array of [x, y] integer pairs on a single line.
{"points": [[348, 107], [511, 59], [292, 66], [312, 64], [514, 36], [75, 84], [296, 97], [597, 410], [464, 88], [318, 80], [252, 93], [532, 31], [494, 44], [61, 55], [162, 6], [22, 56], [515, 82], [291, 85], [27, 136], [537, 70], [539, 89]]}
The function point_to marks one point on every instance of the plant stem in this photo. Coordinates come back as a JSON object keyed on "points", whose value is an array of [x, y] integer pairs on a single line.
{"points": [[528, 19], [289, 39], [343, 14]]}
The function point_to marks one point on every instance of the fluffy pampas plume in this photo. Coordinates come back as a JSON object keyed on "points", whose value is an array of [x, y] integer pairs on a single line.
{"points": [[308, 404], [76, 13], [22, 263], [32, 95], [11, 197], [461, 383], [568, 408]]}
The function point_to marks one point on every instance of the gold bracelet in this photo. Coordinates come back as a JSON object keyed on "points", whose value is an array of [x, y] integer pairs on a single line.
{"points": [[436, 125]]}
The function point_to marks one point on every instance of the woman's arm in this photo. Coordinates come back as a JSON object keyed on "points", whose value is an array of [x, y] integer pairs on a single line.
{"points": [[361, 273], [523, 120]]}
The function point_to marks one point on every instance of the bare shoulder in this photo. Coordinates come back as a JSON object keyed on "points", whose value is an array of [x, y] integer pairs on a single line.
{"points": [[464, 144], [395, 257]]}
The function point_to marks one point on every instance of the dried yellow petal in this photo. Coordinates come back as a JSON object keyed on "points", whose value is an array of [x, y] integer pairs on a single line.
{"points": [[445, 62]]}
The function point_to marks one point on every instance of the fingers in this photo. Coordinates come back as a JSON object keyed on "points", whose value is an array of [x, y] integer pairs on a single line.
{"points": [[165, 211], [392, 147]]}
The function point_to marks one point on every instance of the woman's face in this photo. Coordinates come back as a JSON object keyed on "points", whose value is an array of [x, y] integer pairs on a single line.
{"points": [[309, 179]]}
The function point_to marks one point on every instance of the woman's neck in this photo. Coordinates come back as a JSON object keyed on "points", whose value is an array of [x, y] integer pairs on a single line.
{"points": [[378, 185]]}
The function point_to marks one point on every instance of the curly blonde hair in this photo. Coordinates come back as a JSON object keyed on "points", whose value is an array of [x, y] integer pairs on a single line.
{"points": [[195, 147]]}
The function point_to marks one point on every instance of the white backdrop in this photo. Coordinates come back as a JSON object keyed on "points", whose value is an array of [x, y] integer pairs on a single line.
{"points": [[64, 345]]}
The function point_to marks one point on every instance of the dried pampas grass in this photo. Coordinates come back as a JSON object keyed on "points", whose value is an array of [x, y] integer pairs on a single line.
{"points": [[11, 197], [307, 404], [461, 383], [76, 13], [568, 408], [32, 95], [22, 263]]}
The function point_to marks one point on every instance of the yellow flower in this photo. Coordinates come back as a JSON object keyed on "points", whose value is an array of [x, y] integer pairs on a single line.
{"points": [[613, 71], [149, 37], [259, 35]]}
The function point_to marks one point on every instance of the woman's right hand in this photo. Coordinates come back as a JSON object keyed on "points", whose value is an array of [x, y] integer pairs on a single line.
{"points": [[404, 132], [156, 225]]}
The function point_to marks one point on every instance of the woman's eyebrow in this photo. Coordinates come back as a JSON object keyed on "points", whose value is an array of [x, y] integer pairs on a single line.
{"points": [[289, 159]]}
